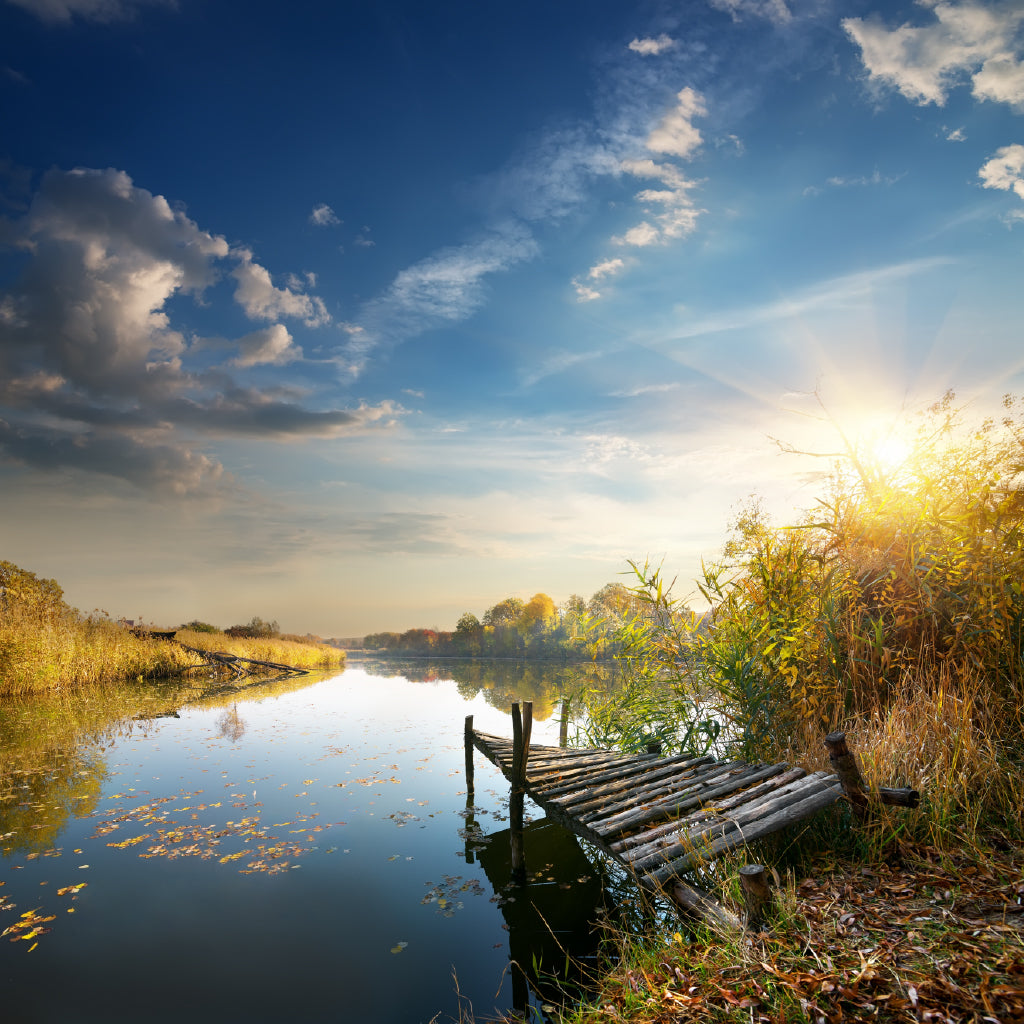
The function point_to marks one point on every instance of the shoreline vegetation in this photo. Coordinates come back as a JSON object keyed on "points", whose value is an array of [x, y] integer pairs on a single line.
{"points": [[45, 644], [894, 611]]}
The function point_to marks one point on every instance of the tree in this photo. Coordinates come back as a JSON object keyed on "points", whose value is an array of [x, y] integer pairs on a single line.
{"points": [[255, 629], [468, 634], [537, 616], [504, 613]]}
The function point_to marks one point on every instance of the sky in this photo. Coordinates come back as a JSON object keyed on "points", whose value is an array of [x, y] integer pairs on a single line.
{"points": [[358, 316]]}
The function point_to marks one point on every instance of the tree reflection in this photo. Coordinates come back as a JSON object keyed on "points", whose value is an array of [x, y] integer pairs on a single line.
{"points": [[230, 724]]}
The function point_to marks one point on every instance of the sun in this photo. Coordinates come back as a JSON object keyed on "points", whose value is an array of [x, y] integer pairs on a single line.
{"points": [[889, 453]]}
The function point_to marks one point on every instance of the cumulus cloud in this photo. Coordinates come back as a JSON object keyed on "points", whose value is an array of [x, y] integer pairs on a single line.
{"points": [[256, 294], [272, 345], [652, 47], [966, 41], [63, 11], [95, 375], [322, 216], [671, 208], [1005, 170], [675, 134]]}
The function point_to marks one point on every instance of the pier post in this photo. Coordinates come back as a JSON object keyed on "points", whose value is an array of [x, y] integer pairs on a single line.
{"points": [[845, 766], [469, 758], [563, 724], [757, 894], [522, 726]]}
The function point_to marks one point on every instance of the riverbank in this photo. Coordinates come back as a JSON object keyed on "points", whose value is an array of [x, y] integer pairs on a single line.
{"points": [[46, 644]]}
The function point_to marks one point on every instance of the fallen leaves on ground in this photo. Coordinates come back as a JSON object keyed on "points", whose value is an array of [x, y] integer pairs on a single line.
{"points": [[927, 937]]}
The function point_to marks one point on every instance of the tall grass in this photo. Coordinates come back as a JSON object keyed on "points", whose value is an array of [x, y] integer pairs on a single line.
{"points": [[46, 644], [894, 610]]}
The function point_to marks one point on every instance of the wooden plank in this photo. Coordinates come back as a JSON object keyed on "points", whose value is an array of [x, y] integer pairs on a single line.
{"points": [[674, 806], [633, 848], [780, 819], [716, 825], [622, 796], [612, 780]]}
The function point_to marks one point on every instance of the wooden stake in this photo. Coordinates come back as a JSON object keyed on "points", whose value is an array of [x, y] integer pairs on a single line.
{"points": [[563, 725], [845, 765], [469, 758], [520, 751], [757, 894]]}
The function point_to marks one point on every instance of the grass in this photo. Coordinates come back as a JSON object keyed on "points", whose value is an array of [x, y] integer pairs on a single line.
{"points": [[45, 644]]}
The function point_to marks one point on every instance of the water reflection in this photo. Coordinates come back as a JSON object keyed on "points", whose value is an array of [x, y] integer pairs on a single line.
{"points": [[170, 823]]}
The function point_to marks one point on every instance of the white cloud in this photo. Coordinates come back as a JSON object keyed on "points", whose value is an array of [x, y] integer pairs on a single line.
{"points": [[446, 287], [675, 133], [323, 216], [677, 216], [862, 180], [605, 269], [645, 389], [62, 11], [773, 10], [256, 294], [640, 235], [957, 135], [966, 40], [270, 345], [584, 292], [1005, 170], [652, 47]]}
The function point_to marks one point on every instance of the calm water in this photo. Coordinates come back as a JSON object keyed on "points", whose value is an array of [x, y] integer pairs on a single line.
{"points": [[292, 852]]}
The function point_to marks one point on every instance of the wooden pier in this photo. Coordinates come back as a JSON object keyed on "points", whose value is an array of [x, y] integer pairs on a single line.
{"points": [[661, 817]]}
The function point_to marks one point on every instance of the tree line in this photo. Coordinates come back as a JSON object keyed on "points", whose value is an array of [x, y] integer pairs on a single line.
{"points": [[576, 629]]}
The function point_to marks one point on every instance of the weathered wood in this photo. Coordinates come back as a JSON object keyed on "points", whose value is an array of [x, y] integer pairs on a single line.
{"points": [[634, 848], [697, 903], [715, 826], [754, 830], [553, 787], [675, 805], [622, 797], [757, 894], [563, 725], [904, 797], [643, 775], [468, 739], [845, 766]]}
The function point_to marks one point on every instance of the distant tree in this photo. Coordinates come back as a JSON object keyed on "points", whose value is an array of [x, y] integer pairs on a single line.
{"points": [[468, 634], [255, 629], [537, 615], [199, 627], [504, 613]]}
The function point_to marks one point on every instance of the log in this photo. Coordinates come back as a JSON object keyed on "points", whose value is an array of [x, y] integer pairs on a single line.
{"points": [[695, 902], [905, 797]]}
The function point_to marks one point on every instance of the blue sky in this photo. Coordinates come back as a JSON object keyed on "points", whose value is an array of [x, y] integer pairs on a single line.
{"points": [[359, 316]]}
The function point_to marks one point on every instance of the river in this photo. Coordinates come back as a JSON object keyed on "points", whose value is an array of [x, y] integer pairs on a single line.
{"points": [[293, 851]]}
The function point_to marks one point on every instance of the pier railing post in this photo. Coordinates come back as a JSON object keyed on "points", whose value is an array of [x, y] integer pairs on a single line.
{"points": [[469, 758], [845, 766], [563, 724]]}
